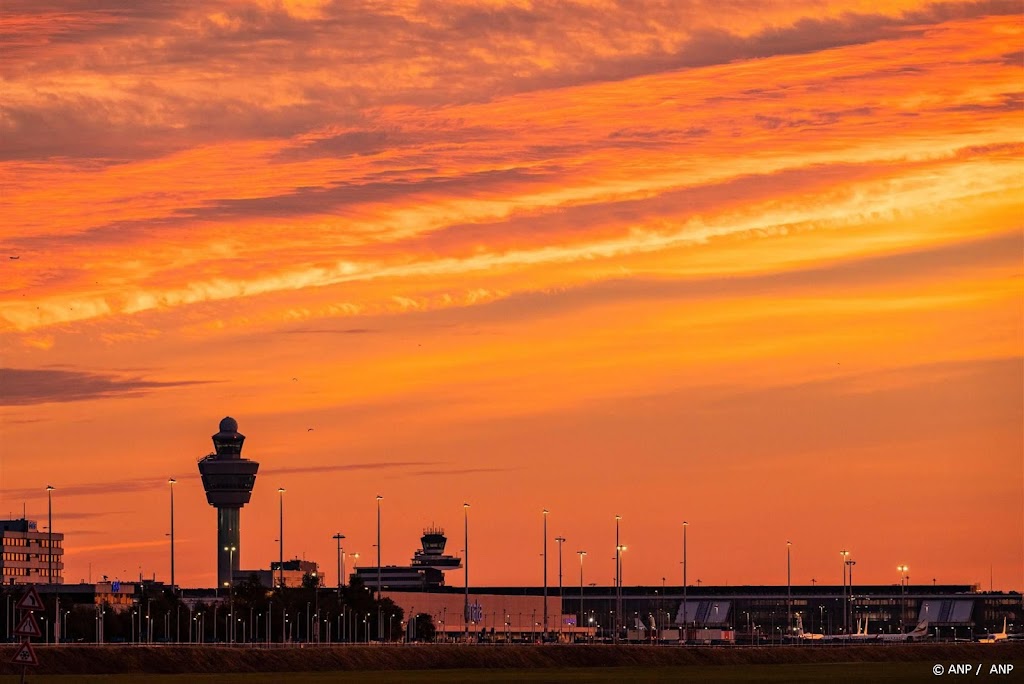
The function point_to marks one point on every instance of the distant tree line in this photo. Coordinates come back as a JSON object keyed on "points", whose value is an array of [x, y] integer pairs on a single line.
{"points": [[305, 613]]}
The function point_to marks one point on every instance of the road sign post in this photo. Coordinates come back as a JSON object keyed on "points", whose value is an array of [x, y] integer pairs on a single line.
{"points": [[27, 628], [25, 655], [30, 600]]}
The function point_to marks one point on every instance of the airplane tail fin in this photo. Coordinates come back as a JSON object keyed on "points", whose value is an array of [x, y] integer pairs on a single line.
{"points": [[921, 629], [799, 625]]}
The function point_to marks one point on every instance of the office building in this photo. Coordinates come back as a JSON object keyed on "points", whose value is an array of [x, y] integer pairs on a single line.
{"points": [[28, 557]]}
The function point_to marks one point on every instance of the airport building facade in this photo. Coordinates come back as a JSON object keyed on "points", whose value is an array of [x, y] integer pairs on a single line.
{"points": [[744, 614]]}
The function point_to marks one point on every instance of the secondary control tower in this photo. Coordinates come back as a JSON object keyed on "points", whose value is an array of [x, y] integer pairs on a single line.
{"points": [[228, 480]]}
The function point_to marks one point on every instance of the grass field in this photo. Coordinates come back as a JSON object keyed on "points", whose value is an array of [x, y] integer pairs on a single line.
{"points": [[519, 664], [832, 673]]}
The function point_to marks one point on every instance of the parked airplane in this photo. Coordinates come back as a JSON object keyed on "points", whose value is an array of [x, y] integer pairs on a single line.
{"points": [[993, 638], [812, 636], [862, 633], [919, 633], [801, 634]]}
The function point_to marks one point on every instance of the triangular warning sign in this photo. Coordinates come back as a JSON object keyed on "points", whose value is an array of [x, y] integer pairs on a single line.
{"points": [[30, 600], [28, 626], [25, 655]]}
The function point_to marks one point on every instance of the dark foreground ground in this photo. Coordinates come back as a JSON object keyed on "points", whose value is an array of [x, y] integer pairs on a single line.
{"points": [[552, 663]]}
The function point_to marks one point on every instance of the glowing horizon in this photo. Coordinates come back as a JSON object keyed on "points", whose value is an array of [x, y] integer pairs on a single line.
{"points": [[667, 262]]}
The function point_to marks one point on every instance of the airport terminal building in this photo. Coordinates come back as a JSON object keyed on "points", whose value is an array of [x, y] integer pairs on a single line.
{"points": [[743, 614]]}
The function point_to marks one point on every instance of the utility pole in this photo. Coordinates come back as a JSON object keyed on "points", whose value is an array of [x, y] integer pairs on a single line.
{"points": [[618, 582], [789, 590], [685, 607], [280, 539], [559, 540], [545, 575], [171, 483], [465, 527], [339, 536]]}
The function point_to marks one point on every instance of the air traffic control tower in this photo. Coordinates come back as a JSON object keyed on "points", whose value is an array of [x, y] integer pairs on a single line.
{"points": [[228, 480]]}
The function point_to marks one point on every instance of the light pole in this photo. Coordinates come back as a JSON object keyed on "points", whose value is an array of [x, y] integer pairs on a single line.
{"points": [[379, 497], [280, 538], [842, 604], [664, 625], [49, 532], [903, 593], [465, 527], [620, 550], [170, 484], [316, 595], [231, 591], [582, 554], [850, 564], [379, 612], [618, 585], [560, 540], [789, 589], [685, 620], [339, 536], [545, 574]]}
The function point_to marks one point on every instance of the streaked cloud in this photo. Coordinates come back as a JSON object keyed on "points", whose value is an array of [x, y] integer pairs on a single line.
{"points": [[340, 468], [24, 386]]}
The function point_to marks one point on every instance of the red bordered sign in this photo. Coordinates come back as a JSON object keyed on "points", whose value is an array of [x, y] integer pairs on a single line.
{"points": [[28, 627], [25, 655], [30, 600]]}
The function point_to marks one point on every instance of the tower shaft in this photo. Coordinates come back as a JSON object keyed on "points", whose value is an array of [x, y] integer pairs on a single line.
{"points": [[228, 537]]}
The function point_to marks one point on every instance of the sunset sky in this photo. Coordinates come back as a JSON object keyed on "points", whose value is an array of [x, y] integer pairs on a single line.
{"points": [[753, 265]]}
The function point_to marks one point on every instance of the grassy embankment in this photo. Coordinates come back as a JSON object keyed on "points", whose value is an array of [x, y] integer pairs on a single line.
{"points": [[459, 663]]}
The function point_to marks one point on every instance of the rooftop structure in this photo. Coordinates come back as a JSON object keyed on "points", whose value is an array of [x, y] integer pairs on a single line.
{"points": [[228, 480], [425, 572], [431, 553], [291, 573]]}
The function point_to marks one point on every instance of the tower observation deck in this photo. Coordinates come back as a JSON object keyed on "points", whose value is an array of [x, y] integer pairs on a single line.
{"points": [[431, 554], [228, 480]]}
